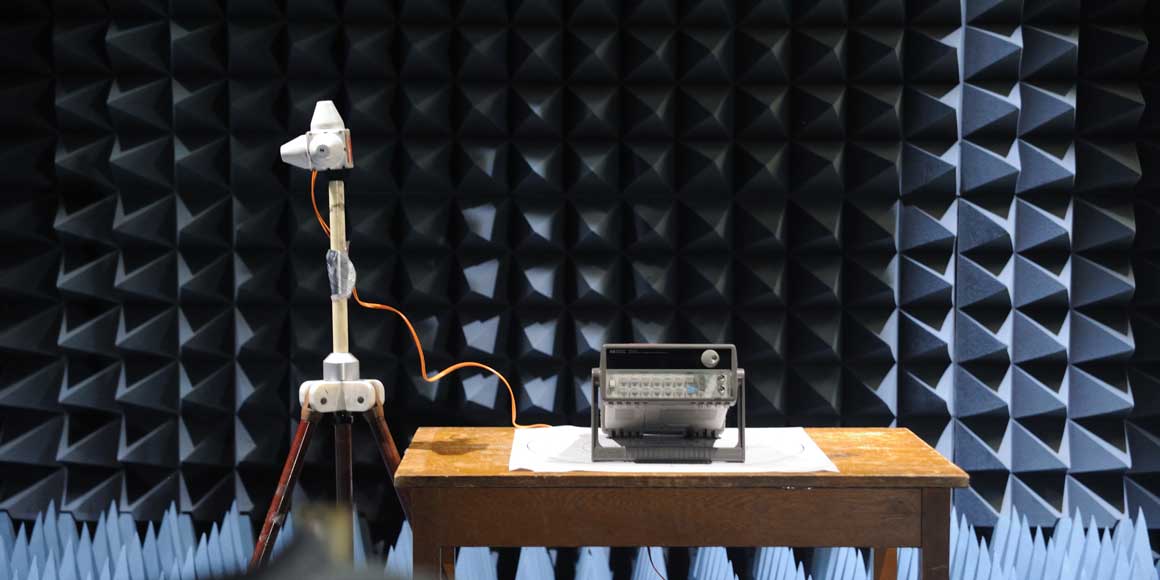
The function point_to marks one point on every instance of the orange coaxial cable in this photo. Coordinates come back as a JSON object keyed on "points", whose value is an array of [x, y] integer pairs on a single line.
{"points": [[415, 335]]}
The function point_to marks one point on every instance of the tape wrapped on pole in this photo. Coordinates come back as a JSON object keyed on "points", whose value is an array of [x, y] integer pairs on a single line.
{"points": [[341, 272]]}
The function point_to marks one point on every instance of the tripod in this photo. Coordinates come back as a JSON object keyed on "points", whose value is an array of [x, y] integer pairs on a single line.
{"points": [[340, 394]]}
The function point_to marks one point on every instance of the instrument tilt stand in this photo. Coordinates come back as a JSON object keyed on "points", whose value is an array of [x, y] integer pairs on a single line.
{"points": [[339, 395]]}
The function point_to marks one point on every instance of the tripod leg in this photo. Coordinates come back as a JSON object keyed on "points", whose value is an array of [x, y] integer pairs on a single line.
{"points": [[343, 459], [280, 504], [382, 433]]}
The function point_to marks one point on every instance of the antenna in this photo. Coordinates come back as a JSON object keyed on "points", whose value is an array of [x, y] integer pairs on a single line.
{"points": [[342, 391]]}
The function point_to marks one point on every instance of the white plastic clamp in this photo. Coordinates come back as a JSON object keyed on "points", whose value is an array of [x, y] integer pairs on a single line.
{"points": [[341, 389], [327, 396]]}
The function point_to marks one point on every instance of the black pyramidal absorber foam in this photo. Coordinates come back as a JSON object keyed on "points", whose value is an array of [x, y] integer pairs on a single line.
{"points": [[935, 215]]}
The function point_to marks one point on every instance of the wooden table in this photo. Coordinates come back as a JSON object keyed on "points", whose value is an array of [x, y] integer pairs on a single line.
{"points": [[892, 490]]}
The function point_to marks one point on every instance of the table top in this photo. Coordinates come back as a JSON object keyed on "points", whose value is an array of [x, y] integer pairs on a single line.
{"points": [[865, 457]]}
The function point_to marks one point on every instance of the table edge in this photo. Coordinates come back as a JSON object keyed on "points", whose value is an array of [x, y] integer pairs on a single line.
{"points": [[608, 480], [676, 481]]}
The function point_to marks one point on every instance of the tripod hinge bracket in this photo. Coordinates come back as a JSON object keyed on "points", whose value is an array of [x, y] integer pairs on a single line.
{"points": [[327, 396]]}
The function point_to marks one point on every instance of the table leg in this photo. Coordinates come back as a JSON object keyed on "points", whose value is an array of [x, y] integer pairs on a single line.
{"points": [[885, 563], [447, 561], [936, 533], [426, 559]]}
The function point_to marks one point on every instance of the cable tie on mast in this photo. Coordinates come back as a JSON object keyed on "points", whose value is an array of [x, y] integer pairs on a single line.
{"points": [[341, 272]]}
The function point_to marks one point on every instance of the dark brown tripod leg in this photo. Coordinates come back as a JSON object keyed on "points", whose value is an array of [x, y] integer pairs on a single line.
{"points": [[382, 433], [343, 459], [387, 448], [280, 504]]}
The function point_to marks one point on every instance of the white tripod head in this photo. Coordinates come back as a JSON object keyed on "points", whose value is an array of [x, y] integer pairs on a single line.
{"points": [[325, 146]]}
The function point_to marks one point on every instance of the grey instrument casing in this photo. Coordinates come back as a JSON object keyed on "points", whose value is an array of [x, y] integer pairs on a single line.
{"points": [[668, 414]]}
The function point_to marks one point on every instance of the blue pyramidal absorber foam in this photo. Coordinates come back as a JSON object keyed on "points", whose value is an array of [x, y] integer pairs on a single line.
{"points": [[1016, 550]]}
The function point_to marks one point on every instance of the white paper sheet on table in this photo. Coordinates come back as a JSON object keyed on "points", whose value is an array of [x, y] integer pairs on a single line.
{"points": [[768, 450]]}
